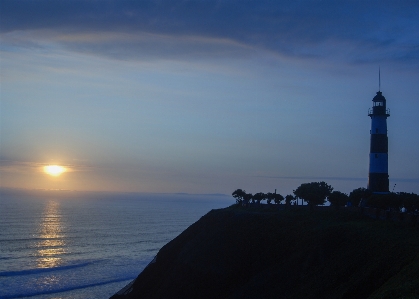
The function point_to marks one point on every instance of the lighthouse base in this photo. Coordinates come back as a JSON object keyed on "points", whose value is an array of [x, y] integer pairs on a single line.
{"points": [[378, 182]]}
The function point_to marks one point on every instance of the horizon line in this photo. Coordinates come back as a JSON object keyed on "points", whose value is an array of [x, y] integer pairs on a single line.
{"points": [[407, 180]]}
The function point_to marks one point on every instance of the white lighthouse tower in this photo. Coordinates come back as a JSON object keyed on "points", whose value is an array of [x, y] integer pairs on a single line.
{"points": [[378, 168]]}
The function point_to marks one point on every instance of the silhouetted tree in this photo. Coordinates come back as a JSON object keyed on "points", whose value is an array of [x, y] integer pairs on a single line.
{"points": [[314, 193], [288, 199], [264, 196], [385, 201], [278, 198], [248, 197], [259, 197], [357, 194], [239, 195], [410, 201], [269, 197], [337, 199]]}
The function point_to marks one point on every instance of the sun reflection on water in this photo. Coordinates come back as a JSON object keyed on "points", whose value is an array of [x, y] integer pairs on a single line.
{"points": [[51, 246]]}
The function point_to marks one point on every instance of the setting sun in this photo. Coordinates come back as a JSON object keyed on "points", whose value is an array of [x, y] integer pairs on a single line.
{"points": [[54, 170]]}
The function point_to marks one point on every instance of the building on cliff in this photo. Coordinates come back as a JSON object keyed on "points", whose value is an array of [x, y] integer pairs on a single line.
{"points": [[378, 181]]}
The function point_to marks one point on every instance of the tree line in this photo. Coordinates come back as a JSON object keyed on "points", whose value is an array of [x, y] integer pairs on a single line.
{"points": [[317, 193]]}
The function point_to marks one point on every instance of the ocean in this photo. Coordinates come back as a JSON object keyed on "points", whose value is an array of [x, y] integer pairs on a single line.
{"points": [[62, 244]]}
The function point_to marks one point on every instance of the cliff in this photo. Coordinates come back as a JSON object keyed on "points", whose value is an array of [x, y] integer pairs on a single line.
{"points": [[292, 253]]}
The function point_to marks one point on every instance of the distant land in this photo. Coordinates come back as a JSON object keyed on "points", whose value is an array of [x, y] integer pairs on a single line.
{"points": [[283, 251]]}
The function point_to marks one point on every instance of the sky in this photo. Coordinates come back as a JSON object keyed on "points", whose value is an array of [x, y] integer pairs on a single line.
{"points": [[205, 96]]}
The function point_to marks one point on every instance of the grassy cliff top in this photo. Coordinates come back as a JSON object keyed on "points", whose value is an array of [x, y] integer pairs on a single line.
{"points": [[291, 253]]}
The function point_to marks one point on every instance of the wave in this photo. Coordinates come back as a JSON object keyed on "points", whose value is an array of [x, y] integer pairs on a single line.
{"points": [[42, 270], [69, 288]]}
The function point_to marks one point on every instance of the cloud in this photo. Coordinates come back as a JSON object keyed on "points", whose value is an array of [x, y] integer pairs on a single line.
{"points": [[19, 166], [355, 31], [13, 166], [154, 46]]}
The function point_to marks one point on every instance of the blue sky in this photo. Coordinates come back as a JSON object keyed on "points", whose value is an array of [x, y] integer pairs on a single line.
{"points": [[205, 96]]}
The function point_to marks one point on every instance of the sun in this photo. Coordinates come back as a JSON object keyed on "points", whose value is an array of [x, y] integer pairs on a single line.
{"points": [[54, 170]]}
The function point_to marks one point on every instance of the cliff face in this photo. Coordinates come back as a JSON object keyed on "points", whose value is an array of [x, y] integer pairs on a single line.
{"points": [[293, 253]]}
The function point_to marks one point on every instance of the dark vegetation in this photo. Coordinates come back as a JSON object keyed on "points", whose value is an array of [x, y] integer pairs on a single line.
{"points": [[318, 193], [275, 251]]}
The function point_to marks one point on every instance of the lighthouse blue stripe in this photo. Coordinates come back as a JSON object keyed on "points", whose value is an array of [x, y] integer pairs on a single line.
{"points": [[378, 163], [378, 125]]}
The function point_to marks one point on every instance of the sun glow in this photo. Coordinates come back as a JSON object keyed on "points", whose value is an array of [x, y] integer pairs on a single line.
{"points": [[54, 170]]}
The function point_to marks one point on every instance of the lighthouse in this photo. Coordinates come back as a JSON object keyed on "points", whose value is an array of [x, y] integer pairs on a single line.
{"points": [[378, 168]]}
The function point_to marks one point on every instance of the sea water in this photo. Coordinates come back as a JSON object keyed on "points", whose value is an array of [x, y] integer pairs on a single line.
{"points": [[62, 245]]}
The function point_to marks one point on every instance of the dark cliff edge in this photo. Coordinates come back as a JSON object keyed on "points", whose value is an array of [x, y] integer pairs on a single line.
{"points": [[291, 253]]}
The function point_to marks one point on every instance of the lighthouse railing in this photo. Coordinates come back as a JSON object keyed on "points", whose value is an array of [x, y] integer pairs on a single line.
{"points": [[371, 112]]}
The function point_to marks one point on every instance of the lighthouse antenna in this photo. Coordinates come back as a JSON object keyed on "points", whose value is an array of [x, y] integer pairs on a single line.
{"points": [[379, 79]]}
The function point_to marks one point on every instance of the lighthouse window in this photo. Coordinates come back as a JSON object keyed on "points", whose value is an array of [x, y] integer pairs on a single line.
{"points": [[378, 104]]}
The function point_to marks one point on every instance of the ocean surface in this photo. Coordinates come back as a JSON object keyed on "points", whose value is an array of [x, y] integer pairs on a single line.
{"points": [[62, 244]]}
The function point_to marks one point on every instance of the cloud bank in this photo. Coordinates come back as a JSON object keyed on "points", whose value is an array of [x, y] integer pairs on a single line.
{"points": [[352, 31]]}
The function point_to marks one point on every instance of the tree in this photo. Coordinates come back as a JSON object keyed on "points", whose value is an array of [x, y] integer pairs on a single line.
{"points": [[288, 199], [314, 193], [337, 199], [259, 197], [239, 195], [410, 201], [385, 201], [278, 198], [269, 197], [247, 198], [357, 194]]}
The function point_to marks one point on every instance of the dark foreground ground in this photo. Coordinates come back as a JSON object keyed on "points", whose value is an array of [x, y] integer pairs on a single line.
{"points": [[291, 253]]}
